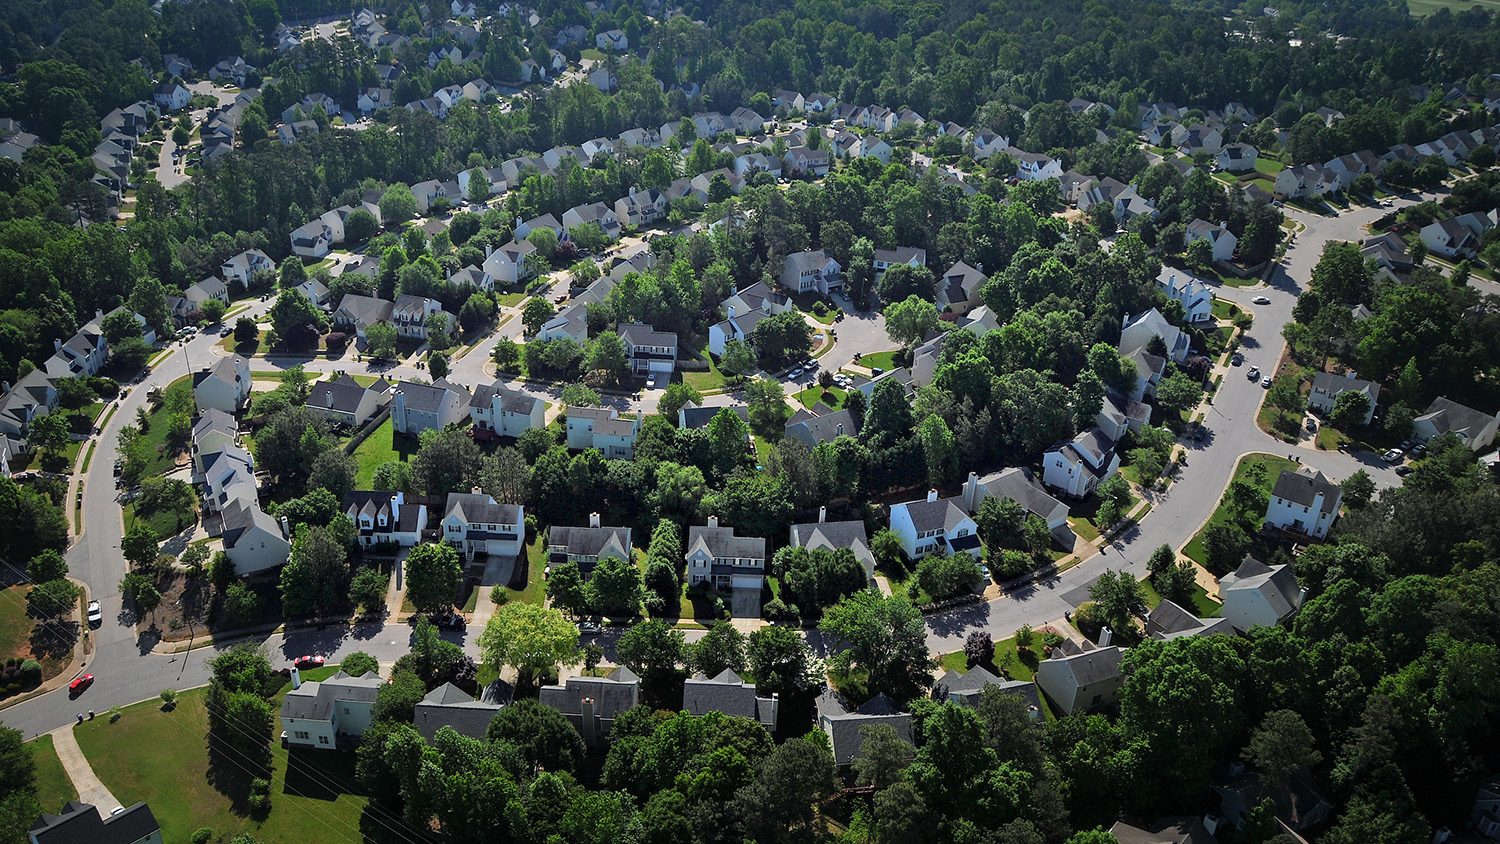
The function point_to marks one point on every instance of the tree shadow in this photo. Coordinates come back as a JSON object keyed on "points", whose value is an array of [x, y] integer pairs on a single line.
{"points": [[54, 639], [318, 774]]}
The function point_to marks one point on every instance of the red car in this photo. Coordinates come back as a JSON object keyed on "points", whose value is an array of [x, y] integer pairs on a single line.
{"points": [[305, 662], [78, 685]]}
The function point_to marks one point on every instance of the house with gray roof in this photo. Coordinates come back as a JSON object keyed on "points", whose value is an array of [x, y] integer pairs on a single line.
{"points": [[410, 315], [321, 714], [958, 289], [586, 546], [224, 385], [966, 688], [811, 272], [811, 430], [1165, 831], [935, 524], [845, 724], [253, 539], [730, 563], [344, 401], [83, 823], [910, 256], [693, 416], [836, 536], [32, 396], [1327, 387], [1019, 485], [427, 407], [593, 703], [1077, 467], [1304, 502], [499, 411], [729, 694], [1258, 595], [1082, 682], [356, 313], [1445, 416], [452, 707], [1137, 331], [385, 518], [475, 523], [1170, 621], [604, 429], [648, 351]]}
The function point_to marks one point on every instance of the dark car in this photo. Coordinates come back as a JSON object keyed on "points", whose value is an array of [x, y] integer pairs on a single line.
{"points": [[449, 621]]}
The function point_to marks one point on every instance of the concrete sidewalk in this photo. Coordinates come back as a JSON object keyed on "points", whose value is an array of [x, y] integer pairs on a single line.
{"points": [[90, 789]]}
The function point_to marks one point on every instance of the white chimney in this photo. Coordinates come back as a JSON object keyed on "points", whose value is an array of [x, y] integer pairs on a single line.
{"points": [[713, 521], [286, 528], [932, 495], [1106, 636], [971, 492], [822, 514], [593, 520], [476, 490], [296, 678], [56, 345]]}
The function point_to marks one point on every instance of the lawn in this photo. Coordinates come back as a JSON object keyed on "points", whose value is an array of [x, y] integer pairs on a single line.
{"points": [[1217, 339], [262, 341], [1081, 519], [1273, 466], [510, 300], [162, 758], [380, 447], [904, 583], [52, 648], [1422, 8], [833, 397], [704, 382], [1201, 605], [1268, 166], [1278, 423], [528, 585], [159, 459], [164, 523], [53, 788], [879, 360], [1225, 309]]}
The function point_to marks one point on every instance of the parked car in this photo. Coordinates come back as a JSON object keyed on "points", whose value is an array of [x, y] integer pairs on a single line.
{"points": [[1403, 471], [80, 684], [1254, 373], [95, 614], [1266, 382], [1393, 456], [795, 373], [1312, 424], [226, 331], [450, 621], [590, 626], [309, 661], [1261, 300], [1236, 359], [984, 571]]}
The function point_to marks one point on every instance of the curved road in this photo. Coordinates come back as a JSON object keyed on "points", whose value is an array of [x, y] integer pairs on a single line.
{"points": [[128, 670]]}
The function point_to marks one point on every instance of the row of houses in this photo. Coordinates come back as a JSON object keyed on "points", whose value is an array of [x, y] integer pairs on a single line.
{"points": [[1313, 181]]}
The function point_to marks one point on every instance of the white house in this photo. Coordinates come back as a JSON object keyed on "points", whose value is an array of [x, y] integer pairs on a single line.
{"points": [[313, 239], [344, 401], [1327, 387], [322, 714], [1034, 167], [603, 429], [427, 407], [987, 143], [32, 396], [1237, 158], [746, 121], [242, 267], [477, 524], [910, 256], [809, 272], [641, 207], [410, 314], [84, 354], [1445, 416], [803, 161], [507, 264], [499, 411], [613, 39], [648, 351], [385, 518], [1077, 467], [1305, 181], [736, 326], [1304, 502], [1082, 682], [1258, 595], [253, 539], [935, 524], [171, 96], [223, 386], [1221, 240], [1017, 484], [1137, 331], [958, 289], [596, 213], [735, 564], [1458, 236], [1196, 299]]}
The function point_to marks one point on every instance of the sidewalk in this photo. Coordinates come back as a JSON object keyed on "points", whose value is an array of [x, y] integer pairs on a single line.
{"points": [[90, 789]]}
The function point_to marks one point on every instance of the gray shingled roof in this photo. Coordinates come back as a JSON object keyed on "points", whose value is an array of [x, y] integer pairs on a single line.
{"points": [[720, 542], [343, 394], [1278, 584], [942, 514], [314, 701], [449, 706], [1304, 485], [478, 507], [591, 541], [845, 727], [1448, 416], [726, 693], [511, 401], [428, 398], [822, 429], [611, 695], [83, 823]]}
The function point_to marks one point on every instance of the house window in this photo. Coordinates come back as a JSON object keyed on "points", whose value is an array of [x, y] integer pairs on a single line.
{"points": [[322, 739], [301, 734]]}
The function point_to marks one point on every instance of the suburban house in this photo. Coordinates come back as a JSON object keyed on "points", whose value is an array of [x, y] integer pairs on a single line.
{"points": [[1327, 387], [452, 707], [1078, 466], [602, 428], [692, 416], [1196, 299], [593, 703], [476, 523], [908, 255], [344, 401], [427, 407], [1149, 370], [171, 96], [32, 396], [321, 713], [1034, 167], [1117, 415], [507, 264], [612, 40], [728, 562], [1163, 831], [1297, 806], [958, 289], [586, 546], [845, 724], [648, 351], [596, 213], [738, 325], [499, 411], [195, 296], [1237, 158], [213, 431], [1457, 236], [84, 354], [802, 161], [1485, 817], [474, 277], [746, 121], [1017, 484], [728, 693], [410, 313], [314, 239], [1198, 140], [227, 474], [253, 539], [572, 321], [810, 429], [1304, 181], [836, 536], [243, 267], [808, 272], [1221, 240], [966, 687], [1258, 595], [935, 524], [1137, 331], [83, 822], [1445, 416], [1081, 682], [1170, 621], [356, 313], [225, 385], [385, 518]]}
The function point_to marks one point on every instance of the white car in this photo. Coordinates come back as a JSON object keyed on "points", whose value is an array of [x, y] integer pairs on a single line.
{"points": [[96, 614], [1261, 300], [795, 373]]}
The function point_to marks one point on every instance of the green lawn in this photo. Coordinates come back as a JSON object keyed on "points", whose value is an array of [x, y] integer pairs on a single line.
{"points": [[533, 589], [1081, 518], [262, 341], [703, 382], [383, 445], [1268, 166], [16, 639], [879, 360], [833, 397], [1007, 659], [53, 788], [162, 758], [1278, 423], [905, 584], [1225, 309], [164, 524], [159, 459], [1201, 605], [510, 300], [1273, 466], [1422, 8]]}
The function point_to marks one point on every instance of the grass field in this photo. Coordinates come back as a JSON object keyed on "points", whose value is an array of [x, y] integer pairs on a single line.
{"points": [[380, 447], [1422, 8], [162, 757], [53, 788], [1273, 466], [703, 382], [160, 460], [16, 640], [879, 360], [1201, 605], [833, 397]]}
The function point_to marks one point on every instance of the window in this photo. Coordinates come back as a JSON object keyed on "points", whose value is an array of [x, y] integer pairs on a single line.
{"points": [[322, 739], [301, 734]]}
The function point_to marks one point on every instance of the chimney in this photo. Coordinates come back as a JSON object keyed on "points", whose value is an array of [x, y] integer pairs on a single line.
{"points": [[775, 707], [593, 520], [586, 720], [971, 492], [286, 528], [840, 431], [296, 678], [56, 345], [328, 397], [822, 514], [932, 495], [713, 521], [1106, 636], [731, 312], [98, 313], [476, 490]]}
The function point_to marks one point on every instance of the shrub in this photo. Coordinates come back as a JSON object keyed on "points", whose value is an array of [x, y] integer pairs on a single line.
{"points": [[169, 698], [777, 610], [359, 663], [1087, 619], [979, 648], [1012, 563], [498, 595], [31, 672], [202, 835]]}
